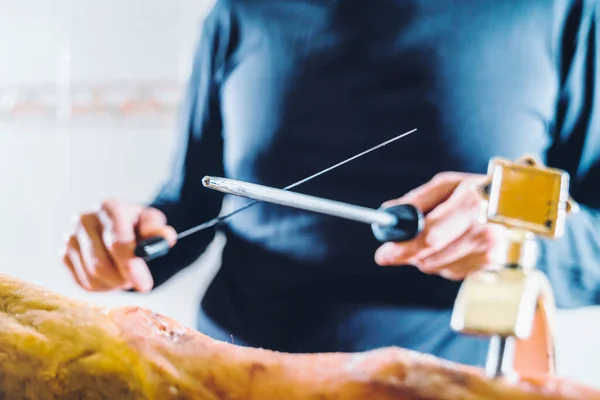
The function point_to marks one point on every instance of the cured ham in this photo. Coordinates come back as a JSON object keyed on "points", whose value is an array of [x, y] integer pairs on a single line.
{"points": [[55, 347]]}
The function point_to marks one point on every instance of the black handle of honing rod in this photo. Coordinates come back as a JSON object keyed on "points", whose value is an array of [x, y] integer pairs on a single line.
{"points": [[410, 224], [152, 248]]}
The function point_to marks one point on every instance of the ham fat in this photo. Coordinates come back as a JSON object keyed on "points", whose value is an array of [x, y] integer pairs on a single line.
{"points": [[54, 347]]}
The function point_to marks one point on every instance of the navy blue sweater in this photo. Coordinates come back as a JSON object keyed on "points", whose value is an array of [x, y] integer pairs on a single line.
{"points": [[283, 88]]}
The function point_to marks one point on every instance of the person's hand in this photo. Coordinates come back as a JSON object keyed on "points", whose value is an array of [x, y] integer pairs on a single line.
{"points": [[99, 251], [453, 242]]}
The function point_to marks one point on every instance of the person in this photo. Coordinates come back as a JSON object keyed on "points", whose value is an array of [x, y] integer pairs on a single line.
{"points": [[281, 89]]}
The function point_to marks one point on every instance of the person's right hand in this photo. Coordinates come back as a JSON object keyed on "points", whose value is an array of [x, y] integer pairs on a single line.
{"points": [[99, 252]]}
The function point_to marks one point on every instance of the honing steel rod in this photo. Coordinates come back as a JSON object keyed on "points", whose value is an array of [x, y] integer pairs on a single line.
{"points": [[301, 201], [397, 223]]}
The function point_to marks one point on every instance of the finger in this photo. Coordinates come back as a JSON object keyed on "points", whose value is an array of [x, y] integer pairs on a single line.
{"points": [[427, 196], [96, 260], [462, 267], [118, 235], [138, 269], [67, 262], [125, 286], [477, 239], [73, 255], [72, 259], [153, 222], [450, 220], [395, 254]]}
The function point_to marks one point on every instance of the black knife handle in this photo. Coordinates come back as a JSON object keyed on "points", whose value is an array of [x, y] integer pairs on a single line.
{"points": [[410, 224], [152, 248]]}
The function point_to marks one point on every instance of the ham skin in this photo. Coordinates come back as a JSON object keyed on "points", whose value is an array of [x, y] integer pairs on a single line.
{"points": [[55, 347]]}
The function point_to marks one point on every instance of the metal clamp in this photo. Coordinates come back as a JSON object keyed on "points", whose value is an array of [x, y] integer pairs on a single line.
{"points": [[512, 302]]}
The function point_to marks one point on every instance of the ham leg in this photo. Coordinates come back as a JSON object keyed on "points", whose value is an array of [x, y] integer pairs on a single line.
{"points": [[54, 347]]}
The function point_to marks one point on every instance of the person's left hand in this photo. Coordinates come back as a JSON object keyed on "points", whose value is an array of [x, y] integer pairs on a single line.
{"points": [[453, 242]]}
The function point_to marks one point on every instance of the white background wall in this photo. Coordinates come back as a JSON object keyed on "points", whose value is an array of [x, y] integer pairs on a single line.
{"points": [[109, 39], [50, 170]]}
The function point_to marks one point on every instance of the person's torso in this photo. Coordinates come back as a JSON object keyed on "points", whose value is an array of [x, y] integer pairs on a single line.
{"points": [[307, 84], [310, 83]]}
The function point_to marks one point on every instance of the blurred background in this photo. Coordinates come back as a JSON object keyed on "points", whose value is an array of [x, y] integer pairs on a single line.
{"points": [[89, 94]]}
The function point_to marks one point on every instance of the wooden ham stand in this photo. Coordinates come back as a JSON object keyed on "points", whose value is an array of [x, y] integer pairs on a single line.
{"points": [[513, 302]]}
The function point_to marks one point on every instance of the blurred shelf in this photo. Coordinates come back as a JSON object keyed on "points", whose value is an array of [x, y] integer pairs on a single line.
{"points": [[146, 102]]}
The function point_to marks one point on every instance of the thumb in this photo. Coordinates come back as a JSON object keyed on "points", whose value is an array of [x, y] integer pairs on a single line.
{"points": [[153, 222], [429, 195]]}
